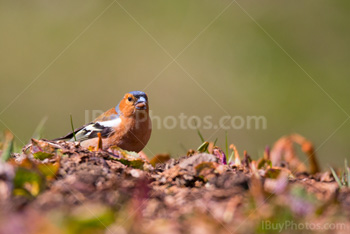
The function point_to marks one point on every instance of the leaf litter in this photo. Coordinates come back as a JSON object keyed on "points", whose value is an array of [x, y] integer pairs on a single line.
{"points": [[59, 187]]}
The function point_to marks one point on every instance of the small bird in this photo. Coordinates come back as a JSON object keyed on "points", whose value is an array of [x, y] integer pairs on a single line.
{"points": [[127, 126]]}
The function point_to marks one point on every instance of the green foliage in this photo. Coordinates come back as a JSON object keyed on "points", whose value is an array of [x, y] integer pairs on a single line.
{"points": [[203, 147], [200, 135], [27, 182], [226, 143], [8, 147], [38, 132], [42, 155], [89, 219], [272, 173], [6, 153], [72, 126], [336, 177], [137, 163], [347, 172], [344, 179], [199, 132], [231, 157], [49, 170], [262, 163]]}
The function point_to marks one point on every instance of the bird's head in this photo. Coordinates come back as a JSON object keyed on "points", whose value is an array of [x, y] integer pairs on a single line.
{"points": [[133, 102]]}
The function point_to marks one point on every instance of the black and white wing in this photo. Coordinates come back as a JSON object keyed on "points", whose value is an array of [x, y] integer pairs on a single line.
{"points": [[90, 130]]}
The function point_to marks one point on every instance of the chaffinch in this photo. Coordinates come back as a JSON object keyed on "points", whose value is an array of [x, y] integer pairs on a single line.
{"points": [[127, 126]]}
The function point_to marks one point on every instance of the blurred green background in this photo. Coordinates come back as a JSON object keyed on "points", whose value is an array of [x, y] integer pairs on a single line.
{"points": [[62, 57]]}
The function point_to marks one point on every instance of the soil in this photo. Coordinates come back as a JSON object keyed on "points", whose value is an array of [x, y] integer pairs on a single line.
{"points": [[104, 192]]}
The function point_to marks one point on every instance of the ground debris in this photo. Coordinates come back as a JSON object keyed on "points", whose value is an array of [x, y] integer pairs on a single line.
{"points": [[60, 182]]}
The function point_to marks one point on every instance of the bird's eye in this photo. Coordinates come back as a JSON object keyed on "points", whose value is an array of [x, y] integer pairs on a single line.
{"points": [[129, 99]]}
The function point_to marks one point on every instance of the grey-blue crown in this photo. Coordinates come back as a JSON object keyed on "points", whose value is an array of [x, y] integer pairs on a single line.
{"points": [[138, 94]]}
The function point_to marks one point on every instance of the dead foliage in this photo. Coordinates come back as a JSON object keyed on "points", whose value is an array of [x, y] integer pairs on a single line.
{"points": [[59, 187]]}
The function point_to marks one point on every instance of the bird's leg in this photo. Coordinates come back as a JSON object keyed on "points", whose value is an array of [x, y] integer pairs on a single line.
{"points": [[99, 143]]}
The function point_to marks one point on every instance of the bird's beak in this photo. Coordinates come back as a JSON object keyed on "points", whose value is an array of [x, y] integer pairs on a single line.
{"points": [[141, 104]]}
